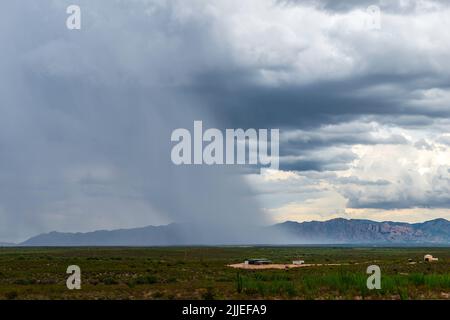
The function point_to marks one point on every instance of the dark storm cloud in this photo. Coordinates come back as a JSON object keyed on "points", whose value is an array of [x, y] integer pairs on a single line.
{"points": [[323, 160], [87, 117], [315, 165], [297, 142], [310, 107], [244, 104]]}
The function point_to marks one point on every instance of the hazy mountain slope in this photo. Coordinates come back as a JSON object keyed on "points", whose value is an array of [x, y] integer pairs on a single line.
{"points": [[6, 244], [339, 231], [161, 235]]}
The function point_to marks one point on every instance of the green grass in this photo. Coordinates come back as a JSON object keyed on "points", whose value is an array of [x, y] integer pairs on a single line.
{"points": [[201, 273]]}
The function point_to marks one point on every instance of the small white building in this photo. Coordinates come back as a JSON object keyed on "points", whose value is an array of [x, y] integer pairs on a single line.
{"points": [[298, 262], [429, 258]]}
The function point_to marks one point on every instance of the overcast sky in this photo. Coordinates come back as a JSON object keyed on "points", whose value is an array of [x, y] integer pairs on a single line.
{"points": [[86, 115]]}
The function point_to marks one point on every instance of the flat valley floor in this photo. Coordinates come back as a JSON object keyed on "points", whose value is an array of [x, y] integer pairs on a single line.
{"points": [[204, 273]]}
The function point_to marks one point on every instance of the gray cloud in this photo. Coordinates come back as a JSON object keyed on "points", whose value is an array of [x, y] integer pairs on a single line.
{"points": [[391, 6], [86, 124], [331, 159], [87, 116]]}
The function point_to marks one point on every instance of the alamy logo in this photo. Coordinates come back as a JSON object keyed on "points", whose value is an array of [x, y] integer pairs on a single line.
{"points": [[373, 19], [374, 280], [73, 21], [229, 150], [74, 280]]}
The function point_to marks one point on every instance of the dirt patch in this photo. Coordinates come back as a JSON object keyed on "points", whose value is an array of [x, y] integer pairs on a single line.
{"points": [[278, 266], [267, 266]]}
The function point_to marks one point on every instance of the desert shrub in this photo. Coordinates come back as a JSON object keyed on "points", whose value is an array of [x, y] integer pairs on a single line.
{"points": [[271, 277], [251, 285], [417, 279], [24, 282], [109, 281], [11, 295], [148, 279], [441, 281], [238, 283], [171, 280], [208, 294], [403, 293], [157, 295]]}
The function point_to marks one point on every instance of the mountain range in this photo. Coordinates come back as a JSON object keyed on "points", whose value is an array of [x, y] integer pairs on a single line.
{"points": [[366, 231], [6, 244], [335, 231]]}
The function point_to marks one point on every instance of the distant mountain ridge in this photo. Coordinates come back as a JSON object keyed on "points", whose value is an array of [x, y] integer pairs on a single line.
{"points": [[338, 231], [6, 244], [366, 231], [171, 234]]}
